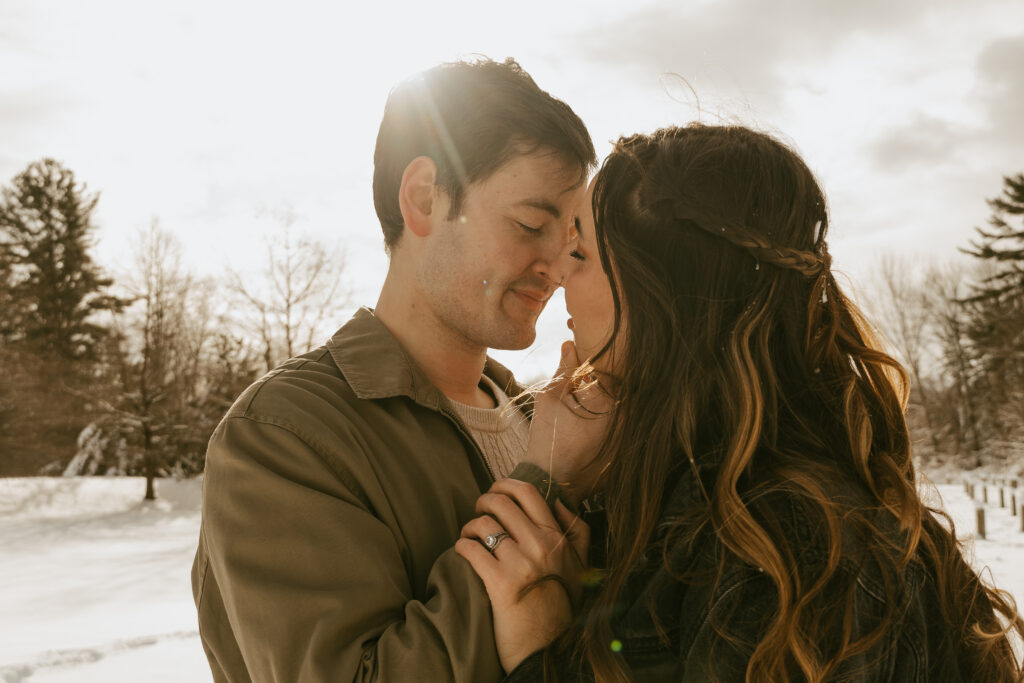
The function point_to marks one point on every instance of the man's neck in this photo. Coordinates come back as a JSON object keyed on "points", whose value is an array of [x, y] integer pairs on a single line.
{"points": [[451, 362]]}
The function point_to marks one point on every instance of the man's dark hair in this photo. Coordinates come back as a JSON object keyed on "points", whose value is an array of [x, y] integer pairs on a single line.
{"points": [[470, 118]]}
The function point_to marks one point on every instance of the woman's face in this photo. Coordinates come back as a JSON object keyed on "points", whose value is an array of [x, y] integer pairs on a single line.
{"points": [[588, 293]]}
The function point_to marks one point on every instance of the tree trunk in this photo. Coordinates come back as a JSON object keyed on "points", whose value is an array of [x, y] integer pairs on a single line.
{"points": [[150, 466]]}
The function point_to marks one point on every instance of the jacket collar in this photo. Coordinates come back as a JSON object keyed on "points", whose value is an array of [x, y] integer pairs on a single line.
{"points": [[376, 366]]}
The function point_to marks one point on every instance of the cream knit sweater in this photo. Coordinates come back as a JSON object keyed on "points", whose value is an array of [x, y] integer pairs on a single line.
{"points": [[501, 432]]}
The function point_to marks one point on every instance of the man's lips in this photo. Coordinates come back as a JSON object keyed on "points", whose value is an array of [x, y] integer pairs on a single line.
{"points": [[532, 298]]}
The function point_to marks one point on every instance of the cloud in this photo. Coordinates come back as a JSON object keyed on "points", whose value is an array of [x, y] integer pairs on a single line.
{"points": [[928, 140], [13, 25], [742, 43], [23, 113], [924, 140], [1001, 72], [28, 107]]}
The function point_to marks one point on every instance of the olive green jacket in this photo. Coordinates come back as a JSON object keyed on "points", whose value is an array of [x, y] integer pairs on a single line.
{"points": [[335, 488]]}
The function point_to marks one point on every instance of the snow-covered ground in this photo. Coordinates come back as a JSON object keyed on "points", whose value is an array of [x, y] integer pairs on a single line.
{"points": [[94, 583]]}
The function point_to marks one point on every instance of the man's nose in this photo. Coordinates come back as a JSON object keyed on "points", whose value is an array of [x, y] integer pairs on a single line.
{"points": [[557, 264]]}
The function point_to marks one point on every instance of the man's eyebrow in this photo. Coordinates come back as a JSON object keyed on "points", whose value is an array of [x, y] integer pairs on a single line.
{"points": [[542, 204]]}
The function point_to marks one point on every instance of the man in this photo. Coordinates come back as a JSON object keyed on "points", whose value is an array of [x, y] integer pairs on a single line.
{"points": [[336, 486]]}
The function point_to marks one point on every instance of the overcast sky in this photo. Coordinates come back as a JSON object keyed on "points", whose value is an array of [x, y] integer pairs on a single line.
{"points": [[212, 115]]}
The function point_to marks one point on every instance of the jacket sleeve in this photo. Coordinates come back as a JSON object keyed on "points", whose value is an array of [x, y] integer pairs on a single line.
{"points": [[313, 583], [531, 670], [542, 481]]}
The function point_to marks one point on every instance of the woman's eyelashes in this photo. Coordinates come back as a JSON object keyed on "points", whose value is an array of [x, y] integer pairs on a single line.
{"points": [[575, 253]]}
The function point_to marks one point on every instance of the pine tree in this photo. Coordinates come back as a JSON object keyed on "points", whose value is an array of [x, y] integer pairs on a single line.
{"points": [[10, 309], [996, 328], [1003, 244], [46, 229], [50, 291]]}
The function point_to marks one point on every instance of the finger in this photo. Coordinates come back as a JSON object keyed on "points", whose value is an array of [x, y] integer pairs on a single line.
{"points": [[566, 517], [529, 540], [592, 398], [567, 364], [570, 367], [569, 360], [535, 542], [484, 563], [507, 513], [481, 527], [529, 500], [576, 529]]}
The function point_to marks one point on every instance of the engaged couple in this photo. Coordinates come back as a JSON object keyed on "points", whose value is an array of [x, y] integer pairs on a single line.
{"points": [[715, 485]]}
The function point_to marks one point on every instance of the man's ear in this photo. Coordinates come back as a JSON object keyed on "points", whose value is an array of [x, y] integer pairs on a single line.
{"points": [[416, 195]]}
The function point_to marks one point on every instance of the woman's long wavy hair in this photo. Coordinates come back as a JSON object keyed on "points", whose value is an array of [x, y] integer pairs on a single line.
{"points": [[743, 354]]}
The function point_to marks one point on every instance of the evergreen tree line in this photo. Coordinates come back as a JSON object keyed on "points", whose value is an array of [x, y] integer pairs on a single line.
{"points": [[129, 373], [959, 331]]}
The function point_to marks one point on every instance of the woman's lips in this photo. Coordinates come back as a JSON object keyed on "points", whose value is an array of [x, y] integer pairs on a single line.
{"points": [[570, 324]]}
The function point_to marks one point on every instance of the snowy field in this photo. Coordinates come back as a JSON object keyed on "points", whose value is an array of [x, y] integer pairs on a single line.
{"points": [[94, 584]]}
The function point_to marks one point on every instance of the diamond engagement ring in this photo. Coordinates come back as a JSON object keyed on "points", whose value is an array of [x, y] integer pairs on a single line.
{"points": [[492, 541]]}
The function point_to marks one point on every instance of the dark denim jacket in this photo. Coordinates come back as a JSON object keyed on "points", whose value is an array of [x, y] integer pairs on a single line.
{"points": [[691, 649]]}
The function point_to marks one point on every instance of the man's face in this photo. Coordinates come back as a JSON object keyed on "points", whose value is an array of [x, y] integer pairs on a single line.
{"points": [[488, 273]]}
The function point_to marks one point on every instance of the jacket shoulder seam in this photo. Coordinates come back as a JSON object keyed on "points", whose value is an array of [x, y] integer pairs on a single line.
{"points": [[314, 445], [243, 411]]}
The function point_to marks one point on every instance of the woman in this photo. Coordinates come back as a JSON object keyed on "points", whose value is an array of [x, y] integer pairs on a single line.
{"points": [[751, 453]]}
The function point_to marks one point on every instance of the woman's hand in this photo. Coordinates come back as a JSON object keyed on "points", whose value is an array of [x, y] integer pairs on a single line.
{"points": [[534, 575], [570, 422]]}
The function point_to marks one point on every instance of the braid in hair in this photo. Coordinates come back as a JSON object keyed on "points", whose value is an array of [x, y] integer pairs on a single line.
{"points": [[808, 263]]}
